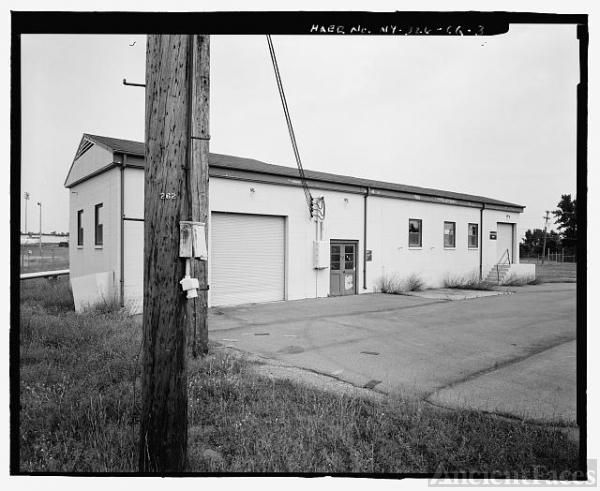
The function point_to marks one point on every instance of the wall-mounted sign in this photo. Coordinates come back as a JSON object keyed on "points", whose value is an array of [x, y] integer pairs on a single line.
{"points": [[368, 255], [493, 235]]}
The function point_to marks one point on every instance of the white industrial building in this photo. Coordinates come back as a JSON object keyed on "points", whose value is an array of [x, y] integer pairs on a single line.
{"points": [[262, 238]]}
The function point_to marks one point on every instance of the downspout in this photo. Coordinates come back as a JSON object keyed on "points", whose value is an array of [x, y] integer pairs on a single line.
{"points": [[122, 252], [365, 241], [481, 242], [318, 237]]}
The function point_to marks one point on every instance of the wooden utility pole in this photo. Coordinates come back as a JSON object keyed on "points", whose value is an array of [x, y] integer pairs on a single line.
{"points": [[547, 217], [200, 136], [176, 189]]}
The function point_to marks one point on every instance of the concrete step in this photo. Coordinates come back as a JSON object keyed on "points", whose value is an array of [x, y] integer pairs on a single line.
{"points": [[501, 270]]}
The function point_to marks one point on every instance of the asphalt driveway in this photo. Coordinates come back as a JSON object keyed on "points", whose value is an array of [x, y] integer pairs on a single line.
{"points": [[512, 354]]}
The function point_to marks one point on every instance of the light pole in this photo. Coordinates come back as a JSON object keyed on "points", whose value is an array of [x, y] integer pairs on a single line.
{"points": [[41, 257], [26, 196]]}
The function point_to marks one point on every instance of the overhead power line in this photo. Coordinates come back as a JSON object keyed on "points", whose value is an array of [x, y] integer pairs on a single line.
{"points": [[288, 120]]}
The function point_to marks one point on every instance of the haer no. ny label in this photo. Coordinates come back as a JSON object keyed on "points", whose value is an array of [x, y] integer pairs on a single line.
{"points": [[406, 30]]}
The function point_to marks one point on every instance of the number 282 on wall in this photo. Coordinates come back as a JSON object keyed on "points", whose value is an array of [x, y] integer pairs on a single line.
{"points": [[168, 195]]}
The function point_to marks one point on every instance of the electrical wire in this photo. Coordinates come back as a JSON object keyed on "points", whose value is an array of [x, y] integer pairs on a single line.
{"points": [[288, 119]]}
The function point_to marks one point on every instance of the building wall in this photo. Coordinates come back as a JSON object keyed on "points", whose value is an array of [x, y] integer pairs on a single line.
{"points": [[432, 262], [387, 223], [302, 280], [91, 161], [134, 195], [133, 246], [491, 218], [90, 259]]}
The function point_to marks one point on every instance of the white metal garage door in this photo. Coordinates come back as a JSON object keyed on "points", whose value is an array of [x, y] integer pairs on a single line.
{"points": [[247, 259]]}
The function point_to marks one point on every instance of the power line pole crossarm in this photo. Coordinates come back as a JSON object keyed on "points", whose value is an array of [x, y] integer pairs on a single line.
{"points": [[176, 190]]}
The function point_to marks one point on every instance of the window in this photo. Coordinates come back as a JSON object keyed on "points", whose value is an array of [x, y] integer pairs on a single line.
{"points": [[335, 257], [449, 234], [473, 235], [415, 233], [98, 224], [80, 228]]}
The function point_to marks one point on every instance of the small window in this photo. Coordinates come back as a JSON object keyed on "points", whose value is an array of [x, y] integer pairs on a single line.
{"points": [[449, 234], [80, 228], [473, 235], [335, 258], [98, 224], [414, 233]]}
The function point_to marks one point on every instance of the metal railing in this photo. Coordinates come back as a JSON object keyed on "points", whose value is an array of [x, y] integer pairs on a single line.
{"points": [[45, 274], [501, 261]]}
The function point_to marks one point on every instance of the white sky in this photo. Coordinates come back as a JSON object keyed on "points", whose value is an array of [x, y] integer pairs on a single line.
{"points": [[492, 116]]}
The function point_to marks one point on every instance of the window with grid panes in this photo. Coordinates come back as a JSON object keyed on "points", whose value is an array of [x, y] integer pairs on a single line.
{"points": [[415, 232]]}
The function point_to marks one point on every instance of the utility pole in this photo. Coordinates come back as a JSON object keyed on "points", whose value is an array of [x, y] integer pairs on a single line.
{"points": [[547, 217], [176, 190], [198, 179]]}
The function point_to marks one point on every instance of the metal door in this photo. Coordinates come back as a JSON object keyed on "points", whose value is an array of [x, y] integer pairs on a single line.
{"points": [[247, 259], [504, 242], [343, 268]]}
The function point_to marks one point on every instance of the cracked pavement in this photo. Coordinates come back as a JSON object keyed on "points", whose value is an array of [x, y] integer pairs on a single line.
{"points": [[512, 353]]}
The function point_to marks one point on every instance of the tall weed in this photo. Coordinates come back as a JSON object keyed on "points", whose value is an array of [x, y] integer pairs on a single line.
{"points": [[469, 281], [399, 285], [520, 280], [77, 380]]}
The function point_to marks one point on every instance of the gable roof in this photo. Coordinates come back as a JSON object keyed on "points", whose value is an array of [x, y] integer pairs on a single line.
{"points": [[136, 149], [117, 145]]}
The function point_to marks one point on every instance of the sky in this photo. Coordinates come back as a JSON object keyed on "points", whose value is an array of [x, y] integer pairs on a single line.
{"points": [[491, 116]]}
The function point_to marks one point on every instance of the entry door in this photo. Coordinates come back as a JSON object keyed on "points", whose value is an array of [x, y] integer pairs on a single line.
{"points": [[343, 269], [504, 241]]}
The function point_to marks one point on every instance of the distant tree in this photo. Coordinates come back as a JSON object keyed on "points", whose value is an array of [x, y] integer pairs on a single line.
{"points": [[566, 218], [533, 242]]}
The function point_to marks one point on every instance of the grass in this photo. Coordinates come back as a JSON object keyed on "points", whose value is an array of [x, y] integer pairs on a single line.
{"points": [[77, 381], [551, 272], [292, 428], [399, 285], [52, 258], [80, 387]]}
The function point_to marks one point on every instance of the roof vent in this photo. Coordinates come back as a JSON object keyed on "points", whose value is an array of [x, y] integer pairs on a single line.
{"points": [[83, 147]]}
